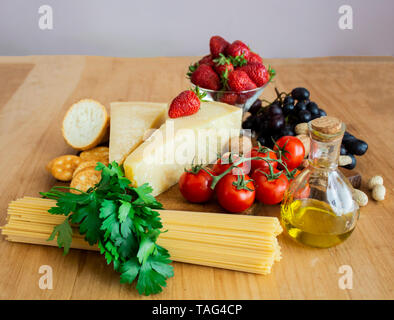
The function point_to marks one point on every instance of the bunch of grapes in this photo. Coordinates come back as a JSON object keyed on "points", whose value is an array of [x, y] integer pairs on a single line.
{"points": [[279, 117]]}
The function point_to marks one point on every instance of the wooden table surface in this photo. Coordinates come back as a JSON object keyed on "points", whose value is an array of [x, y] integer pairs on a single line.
{"points": [[35, 91]]}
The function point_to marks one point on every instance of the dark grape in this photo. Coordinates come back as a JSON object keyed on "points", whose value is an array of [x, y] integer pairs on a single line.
{"points": [[287, 130], [300, 94], [276, 137], [248, 123], [262, 140], [343, 150], [322, 113], [315, 116], [353, 164], [347, 137], [276, 123], [288, 109], [357, 147], [255, 107], [304, 116], [274, 110], [256, 121], [288, 100], [300, 106], [264, 127], [268, 141], [313, 108]]}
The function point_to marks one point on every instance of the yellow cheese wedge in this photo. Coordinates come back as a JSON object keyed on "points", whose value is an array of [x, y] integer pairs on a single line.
{"points": [[130, 121], [161, 159]]}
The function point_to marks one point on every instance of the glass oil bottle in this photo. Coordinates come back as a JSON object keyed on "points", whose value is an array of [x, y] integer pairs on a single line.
{"points": [[318, 209]]}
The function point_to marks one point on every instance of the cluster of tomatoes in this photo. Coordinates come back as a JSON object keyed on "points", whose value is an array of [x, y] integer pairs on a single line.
{"points": [[263, 174]]}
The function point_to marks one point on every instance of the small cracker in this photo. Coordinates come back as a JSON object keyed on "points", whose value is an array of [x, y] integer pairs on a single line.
{"points": [[98, 154], [85, 179], [88, 164], [62, 168]]}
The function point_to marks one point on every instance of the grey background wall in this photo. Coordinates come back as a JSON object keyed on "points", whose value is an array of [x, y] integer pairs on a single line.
{"points": [[303, 28]]}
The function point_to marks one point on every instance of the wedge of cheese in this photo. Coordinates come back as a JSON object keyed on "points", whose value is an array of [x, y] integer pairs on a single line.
{"points": [[130, 122], [161, 159]]}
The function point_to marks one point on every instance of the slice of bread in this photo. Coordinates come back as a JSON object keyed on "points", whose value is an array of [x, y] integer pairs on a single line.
{"points": [[85, 124]]}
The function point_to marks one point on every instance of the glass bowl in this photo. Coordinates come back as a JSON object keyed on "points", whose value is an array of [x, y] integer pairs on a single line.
{"points": [[241, 99]]}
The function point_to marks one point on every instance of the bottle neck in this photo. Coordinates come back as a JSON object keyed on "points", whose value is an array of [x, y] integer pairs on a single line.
{"points": [[325, 154]]}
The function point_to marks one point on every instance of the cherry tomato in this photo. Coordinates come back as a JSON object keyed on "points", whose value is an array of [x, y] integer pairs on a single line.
{"points": [[232, 199], [262, 164], [292, 151], [195, 187], [270, 191], [225, 162]]}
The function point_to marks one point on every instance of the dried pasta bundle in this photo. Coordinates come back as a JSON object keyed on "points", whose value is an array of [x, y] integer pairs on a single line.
{"points": [[235, 242]]}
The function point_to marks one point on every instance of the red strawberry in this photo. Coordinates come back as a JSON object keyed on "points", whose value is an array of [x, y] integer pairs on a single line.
{"points": [[254, 58], [222, 64], [238, 48], [239, 80], [220, 69], [205, 77], [207, 60], [185, 104], [257, 72], [229, 98], [217, 45]]}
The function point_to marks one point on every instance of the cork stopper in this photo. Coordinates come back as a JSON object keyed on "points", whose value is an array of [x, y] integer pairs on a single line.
{"points": [[326, 128]]}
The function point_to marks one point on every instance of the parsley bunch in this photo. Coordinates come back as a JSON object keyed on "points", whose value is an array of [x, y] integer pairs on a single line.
{"points": [[122, 221]]}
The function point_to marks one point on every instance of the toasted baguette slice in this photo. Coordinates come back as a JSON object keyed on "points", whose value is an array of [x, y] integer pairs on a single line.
{"points": [[85, 124], [130, 123]]}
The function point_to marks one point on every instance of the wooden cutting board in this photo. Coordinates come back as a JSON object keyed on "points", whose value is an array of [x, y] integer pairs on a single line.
{"points": [[35, 91]]}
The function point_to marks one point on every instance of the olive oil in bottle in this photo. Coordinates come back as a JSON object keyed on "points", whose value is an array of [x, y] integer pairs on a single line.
{"points": [[314, 223], [318, 210]]}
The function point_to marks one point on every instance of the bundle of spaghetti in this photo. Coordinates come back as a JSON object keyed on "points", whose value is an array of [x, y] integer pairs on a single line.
{"points": [[235, 242]]}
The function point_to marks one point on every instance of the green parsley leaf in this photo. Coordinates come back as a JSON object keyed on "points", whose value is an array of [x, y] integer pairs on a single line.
{"points": [[149, 280], [64, 235], [129, 270], [145, 197], [127, 227], [111, 227], [161, 264], [125, 210], [107, 208], [146, 248], [127, 247], [90, 226]]}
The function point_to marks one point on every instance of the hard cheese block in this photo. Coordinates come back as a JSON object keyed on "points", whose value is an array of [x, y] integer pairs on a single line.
{"points": [[161, 159], [130, 121]]}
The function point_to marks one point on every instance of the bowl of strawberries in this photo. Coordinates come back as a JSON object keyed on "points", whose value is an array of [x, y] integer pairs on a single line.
{"points": [[231, 73]]}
